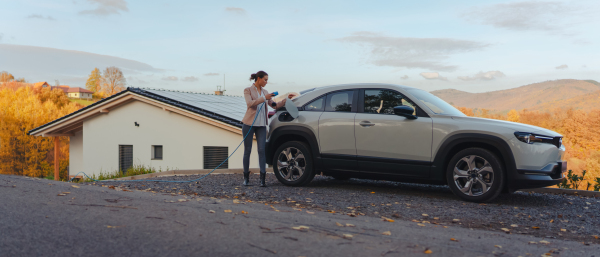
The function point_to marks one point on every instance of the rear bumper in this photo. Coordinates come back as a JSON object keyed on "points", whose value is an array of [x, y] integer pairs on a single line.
{"points": [[550, 175]]}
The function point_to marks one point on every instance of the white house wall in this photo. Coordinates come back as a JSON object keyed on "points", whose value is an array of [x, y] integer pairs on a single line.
{"points": [[76, 153], [182, 139]]}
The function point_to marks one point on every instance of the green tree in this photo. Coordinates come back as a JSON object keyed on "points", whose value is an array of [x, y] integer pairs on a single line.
{"points": [[93, 82]]}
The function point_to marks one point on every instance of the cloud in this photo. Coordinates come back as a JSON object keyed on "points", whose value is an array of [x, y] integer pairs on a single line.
{"points": [[39, 16], [562, 67], [211, 74], [32, 61], [404, 77], [433, 75], [408, 52], [106, 7], [170, 78], [236, 10], [190, 79], [528, 15], [489, 75]]}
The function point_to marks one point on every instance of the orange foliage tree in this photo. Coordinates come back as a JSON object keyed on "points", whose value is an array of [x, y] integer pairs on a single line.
{"points": [[22, 109]]}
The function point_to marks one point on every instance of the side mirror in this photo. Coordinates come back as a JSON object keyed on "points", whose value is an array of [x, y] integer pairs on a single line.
{"points": [[405, 111]]}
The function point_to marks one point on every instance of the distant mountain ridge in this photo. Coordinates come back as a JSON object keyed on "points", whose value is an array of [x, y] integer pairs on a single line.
{"points": [[564, 93]]}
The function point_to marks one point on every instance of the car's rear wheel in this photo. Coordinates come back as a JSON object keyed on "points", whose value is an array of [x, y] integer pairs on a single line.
{"points": [[293, 164], [475, 175]]}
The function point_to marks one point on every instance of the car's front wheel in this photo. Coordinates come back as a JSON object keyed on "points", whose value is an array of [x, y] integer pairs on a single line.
{"points": [[293, 164], [475, 175]]}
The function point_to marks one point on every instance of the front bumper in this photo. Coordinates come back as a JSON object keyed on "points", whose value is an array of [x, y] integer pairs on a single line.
{"points": [[550, 175]]}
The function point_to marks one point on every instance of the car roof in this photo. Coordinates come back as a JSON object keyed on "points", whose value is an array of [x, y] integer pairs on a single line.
{"points": [[308, 96]]}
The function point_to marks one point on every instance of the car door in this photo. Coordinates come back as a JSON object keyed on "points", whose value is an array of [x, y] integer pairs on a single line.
{"points": [[336, 130], [388, 143]]}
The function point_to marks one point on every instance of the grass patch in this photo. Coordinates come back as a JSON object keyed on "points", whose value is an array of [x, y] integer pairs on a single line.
{"points": [[82, 101], [133, 171]]}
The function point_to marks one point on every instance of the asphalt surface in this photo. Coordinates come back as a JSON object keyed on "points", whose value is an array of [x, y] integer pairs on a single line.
{"points": [[48, 218]]}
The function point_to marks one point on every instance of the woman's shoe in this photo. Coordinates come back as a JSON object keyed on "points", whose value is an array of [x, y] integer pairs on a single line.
{"points": [[246, 179], [262, 180]]}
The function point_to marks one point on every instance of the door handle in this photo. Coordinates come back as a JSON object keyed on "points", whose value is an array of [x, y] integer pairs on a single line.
{"points": [[366, 123]]}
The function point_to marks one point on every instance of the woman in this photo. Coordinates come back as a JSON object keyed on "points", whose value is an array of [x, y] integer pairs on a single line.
{"points": [[256, 97]]}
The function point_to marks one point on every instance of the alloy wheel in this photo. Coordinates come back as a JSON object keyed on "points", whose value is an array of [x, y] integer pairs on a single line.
{"points": [[473, 175], [291, 164]]}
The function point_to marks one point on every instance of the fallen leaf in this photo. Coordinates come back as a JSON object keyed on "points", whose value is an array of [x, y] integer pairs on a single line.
{"points": [[551, 221], [387, 233], [310, 212], [425, 215], [595, 236], [532, 242], [514, 225], [350, 225], [544, 242], [454, 239], [301, 228], [455, 220], [420, 224], [339, 224], [372, 192], [436, 218], [211, 211], [505, 229], [498, 246], [227, 211], [244, 212], [66, 192], [61, 194], [535, 227], [563, 230], [348, 236], [75, 186], [427, 251], [183, 200]]}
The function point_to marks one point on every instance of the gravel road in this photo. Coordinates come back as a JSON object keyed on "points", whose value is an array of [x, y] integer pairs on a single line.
{"points": [[539, 215]]}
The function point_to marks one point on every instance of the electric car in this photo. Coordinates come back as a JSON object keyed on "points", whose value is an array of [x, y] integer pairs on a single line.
{"points": [[399, 133]]}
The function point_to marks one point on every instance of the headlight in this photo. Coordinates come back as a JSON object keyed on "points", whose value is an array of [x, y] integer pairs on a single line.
{"points": [[531, 138]]}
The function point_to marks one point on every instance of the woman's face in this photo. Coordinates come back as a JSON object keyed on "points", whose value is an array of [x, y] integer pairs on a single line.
{"points": [[262, 81]]}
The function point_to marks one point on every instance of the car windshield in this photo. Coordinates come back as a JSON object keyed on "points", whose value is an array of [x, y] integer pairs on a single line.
{"points": [[435, 104]]}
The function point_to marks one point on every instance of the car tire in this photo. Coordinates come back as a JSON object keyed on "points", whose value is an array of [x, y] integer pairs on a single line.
{"points": [[475, 175], [293, 164]]}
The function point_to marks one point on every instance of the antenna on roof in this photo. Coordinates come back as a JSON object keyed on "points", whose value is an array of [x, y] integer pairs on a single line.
{"points": [[219, 91]]}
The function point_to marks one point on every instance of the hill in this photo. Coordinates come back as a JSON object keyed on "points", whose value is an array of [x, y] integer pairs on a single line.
{"points": [[532, 96], [585, 102]]}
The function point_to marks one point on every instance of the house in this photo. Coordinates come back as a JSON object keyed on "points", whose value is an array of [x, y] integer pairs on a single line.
{"points": [[64, 88], [41, 84], [77, 92], [155, 128]]}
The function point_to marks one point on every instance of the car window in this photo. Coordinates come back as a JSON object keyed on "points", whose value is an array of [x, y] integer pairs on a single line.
{"points": [[316, 105], [339, 102], [435, 104], [383, 101]]}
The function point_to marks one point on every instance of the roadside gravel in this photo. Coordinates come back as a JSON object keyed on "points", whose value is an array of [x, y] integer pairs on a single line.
{"points": [[541, 215]]}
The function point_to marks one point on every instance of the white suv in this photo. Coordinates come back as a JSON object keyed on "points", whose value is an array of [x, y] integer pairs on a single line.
{"points": [[392, 132]]}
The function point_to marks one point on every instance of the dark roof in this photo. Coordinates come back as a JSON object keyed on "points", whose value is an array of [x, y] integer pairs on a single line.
{"points": [[213, 106], [78, 90]]}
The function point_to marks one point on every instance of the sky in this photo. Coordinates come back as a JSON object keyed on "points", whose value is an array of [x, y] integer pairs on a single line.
{"points": [[473, 46]]}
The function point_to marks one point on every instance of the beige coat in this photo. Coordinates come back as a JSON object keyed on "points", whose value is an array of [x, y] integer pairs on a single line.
{"points": [[252, 102]]}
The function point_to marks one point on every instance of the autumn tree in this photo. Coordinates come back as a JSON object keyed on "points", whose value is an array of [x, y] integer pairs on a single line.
{"points": [[113, 81], [513, 116], [93, 82], [6, 77]]}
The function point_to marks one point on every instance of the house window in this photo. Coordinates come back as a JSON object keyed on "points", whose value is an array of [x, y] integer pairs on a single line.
{"points": [[157, 152], [215, 155], [125, 157]]}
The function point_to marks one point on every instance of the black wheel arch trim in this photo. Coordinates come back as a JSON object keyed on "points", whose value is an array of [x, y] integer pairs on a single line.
{"points": [[443, 155], [300, 131]]}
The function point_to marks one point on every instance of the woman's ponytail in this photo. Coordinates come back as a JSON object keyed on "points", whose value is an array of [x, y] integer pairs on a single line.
{"points": [[260, 74]]}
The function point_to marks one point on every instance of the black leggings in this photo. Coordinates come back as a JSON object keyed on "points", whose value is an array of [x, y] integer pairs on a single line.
{"points": [[261, 138]]}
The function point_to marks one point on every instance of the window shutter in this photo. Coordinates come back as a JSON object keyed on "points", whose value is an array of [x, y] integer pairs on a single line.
{"points": [[214, 155]]}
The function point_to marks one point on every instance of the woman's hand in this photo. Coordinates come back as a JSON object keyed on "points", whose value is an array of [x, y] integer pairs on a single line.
{"points": [[290, 96], [269, 96]]}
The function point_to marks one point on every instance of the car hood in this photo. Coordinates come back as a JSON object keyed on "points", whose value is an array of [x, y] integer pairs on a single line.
{"points": [[509, 125]]}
